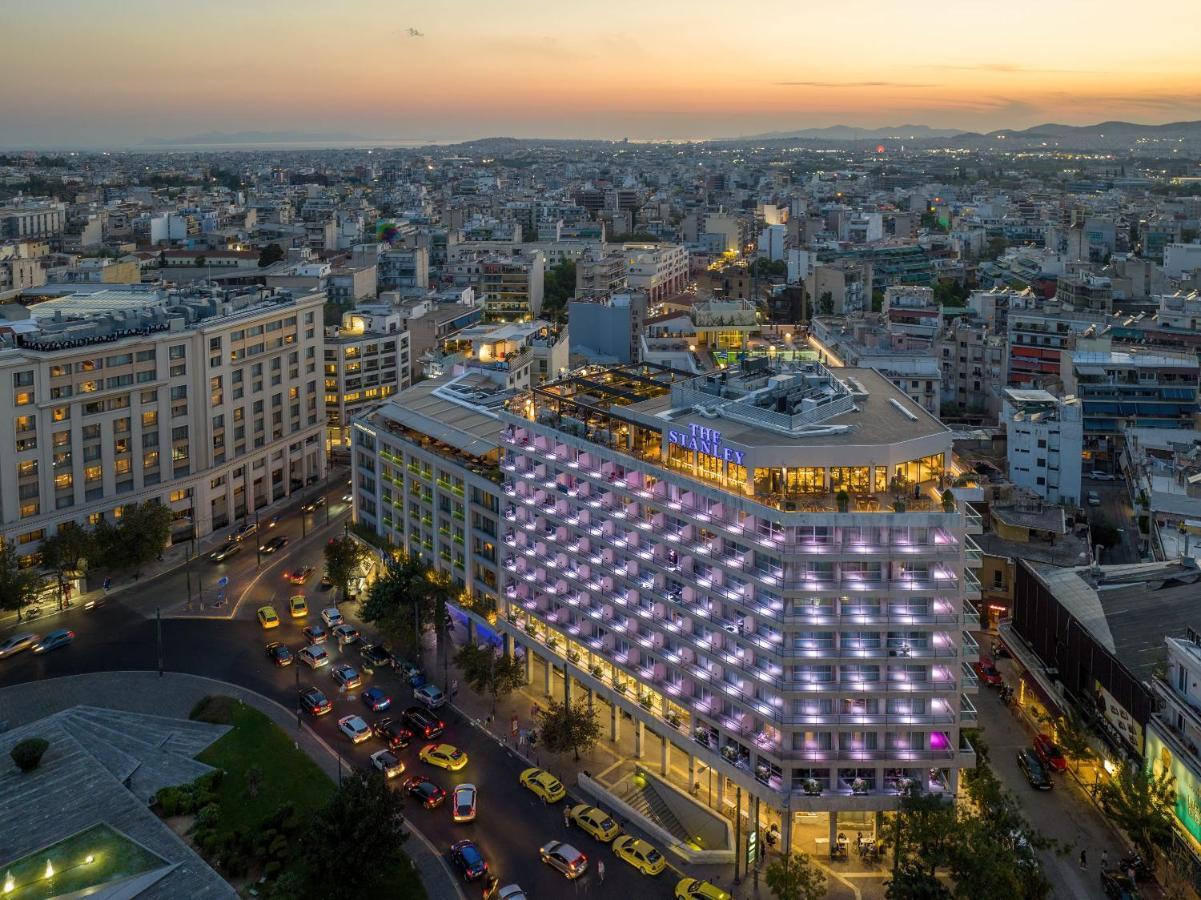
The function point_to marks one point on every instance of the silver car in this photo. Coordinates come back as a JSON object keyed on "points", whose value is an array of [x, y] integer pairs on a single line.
{"points": [[16, 643], [564, 857]]}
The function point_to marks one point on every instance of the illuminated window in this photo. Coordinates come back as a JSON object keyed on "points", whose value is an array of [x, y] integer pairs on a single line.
{"points": [[23, 398], [122, 466], [25, 423], [61, 413], [150, 459], [30, 509], [27, 467], [64, 480], [150, 419], [88, 387], [92, 474]]}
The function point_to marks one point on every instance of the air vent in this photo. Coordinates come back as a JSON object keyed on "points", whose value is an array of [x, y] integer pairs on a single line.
{"points": [[903, 411]]}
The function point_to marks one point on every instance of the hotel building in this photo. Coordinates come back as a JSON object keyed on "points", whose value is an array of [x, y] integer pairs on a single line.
{"points": [[758, 567]]}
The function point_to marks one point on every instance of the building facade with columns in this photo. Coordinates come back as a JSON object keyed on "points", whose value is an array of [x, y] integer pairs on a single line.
{"points": [[209, 402], [758, 568]]}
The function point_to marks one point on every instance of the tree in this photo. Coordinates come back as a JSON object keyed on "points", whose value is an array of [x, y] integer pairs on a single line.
{"points": [[368, 819], [405, 600], [924, 838], [201, 261], [342, 557], [66, 553], [1103, 532], [18, 587], [1141, 803], [489, 672], [272, 253], [254, 781], [794, 877], [139, 536], [912, 882], [558, 287], [1072, 735], [563, 727], [825, 304]]}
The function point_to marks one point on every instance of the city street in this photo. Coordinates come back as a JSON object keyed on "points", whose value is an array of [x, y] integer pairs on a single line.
{"points": [[512, 823], [1115, 508]]}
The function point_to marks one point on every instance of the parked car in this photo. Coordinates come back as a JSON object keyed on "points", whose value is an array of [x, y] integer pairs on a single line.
{"points": [[63, 637], [374, 657], [331, 617], [463, 803], [1094, 499], [314, 656], [376, 699], [564, 857], [595, 822], [426, 791], [1049, 753], [354, 728], [639, 854], [314, 702], [543, 784], [987, 672], [695, 889], [279, 654], [1097, 475], [467, 856], [388, 763], [429, 696], [1118, 886], [225, 551], [301, 575], [393, 732], [326, 582], [422, 722], [315, 634], [1033, 770], [276, 543]]}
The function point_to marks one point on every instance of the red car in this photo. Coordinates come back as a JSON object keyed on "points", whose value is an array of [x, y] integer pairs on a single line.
{"points": [[1050, 754], [986, 669]]}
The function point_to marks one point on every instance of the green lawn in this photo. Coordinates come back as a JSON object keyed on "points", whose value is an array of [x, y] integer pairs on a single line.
{"points": [[401, 882], [288, 773]]}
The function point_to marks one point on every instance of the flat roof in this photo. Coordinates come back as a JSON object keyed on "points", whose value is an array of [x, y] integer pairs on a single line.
{"points": [[460, 411]]}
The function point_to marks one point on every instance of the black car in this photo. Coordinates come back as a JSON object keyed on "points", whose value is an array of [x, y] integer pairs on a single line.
{"points": [[423, 722], [314, 504], [466, 855], [430, 795], [1118, 886], [276, 543], [393, 732], [1032, 768], [374, 656], [314, 702], [279, 654]]}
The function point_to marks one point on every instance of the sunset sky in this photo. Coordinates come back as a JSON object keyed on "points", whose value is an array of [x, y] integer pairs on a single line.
{"points": [[89, 73]]}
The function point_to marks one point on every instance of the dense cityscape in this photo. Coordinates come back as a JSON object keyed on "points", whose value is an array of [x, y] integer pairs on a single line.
{"points": [[811, 514]]}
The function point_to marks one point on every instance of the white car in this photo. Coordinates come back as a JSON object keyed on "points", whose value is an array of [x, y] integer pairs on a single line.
{"points": [[345, 634], [331, 617], [388, 763], [354, 728], [315, 656], [429, 696], [512, 892], [463, 807], [1094, 499], [1102, 476], [17, 643]]}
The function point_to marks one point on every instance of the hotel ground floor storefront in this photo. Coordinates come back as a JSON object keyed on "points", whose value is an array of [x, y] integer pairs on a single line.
{"points": [[798, 806]]}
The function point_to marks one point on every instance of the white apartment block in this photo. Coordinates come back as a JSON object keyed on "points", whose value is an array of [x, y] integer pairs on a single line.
{"points": [[757, 567], [658, 270], [426, 478], [1045, 443], [366, 361], [1174, 733], [208, 402]]}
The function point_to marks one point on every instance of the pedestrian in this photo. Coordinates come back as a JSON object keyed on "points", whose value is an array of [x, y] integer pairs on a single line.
{"points": [[454, 688], [600, 870], [1104, 860], [566, 816], [1083, 859], [1130, 873]]}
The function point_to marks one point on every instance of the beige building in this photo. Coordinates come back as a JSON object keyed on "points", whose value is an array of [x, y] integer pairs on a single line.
{"points": [[207, 402], [366, 361]]}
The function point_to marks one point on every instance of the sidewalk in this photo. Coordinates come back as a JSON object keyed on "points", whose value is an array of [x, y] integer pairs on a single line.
{"points": [[609, 761], [174, 694]]}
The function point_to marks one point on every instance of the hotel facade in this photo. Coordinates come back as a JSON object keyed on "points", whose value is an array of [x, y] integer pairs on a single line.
{"points": [[758, 567]]}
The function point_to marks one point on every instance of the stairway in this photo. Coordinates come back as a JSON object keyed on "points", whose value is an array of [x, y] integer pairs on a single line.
{"points": [[647, 802]]}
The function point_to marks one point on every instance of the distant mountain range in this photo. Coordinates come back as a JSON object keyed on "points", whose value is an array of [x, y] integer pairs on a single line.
{"points": [[1102, 136], [250, 137], [852, 133]]}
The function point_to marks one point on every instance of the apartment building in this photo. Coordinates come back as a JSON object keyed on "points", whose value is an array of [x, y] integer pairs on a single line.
{"points": [[608, 328], [756, 568], [973, 368], [657, 270], [1044, 441], [208, 402], [366, 361], [426, 476], [1174, 734], [28, 219]]}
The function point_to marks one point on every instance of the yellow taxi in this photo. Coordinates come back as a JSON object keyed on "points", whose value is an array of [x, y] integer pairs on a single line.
{"points": [[268, 617], [444, 756], [695, 889], [544, 784], [639, 854], [299, 606], [595, 822]]}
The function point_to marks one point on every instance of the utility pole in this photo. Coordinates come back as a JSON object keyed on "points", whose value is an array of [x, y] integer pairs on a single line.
{"points": [[158, 634], [188, 571]]}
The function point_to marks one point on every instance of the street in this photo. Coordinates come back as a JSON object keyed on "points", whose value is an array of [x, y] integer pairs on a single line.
{"points": [[1115, 509], [121, 635]]}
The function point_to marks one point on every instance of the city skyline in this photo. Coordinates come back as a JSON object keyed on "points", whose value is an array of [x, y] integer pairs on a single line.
{"points": [[532, 69]]}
